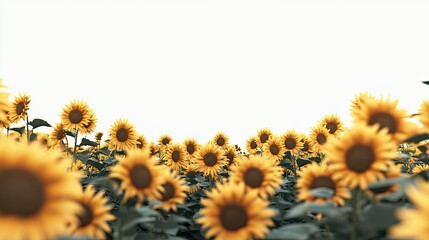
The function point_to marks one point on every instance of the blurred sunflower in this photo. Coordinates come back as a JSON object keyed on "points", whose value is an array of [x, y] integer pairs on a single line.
{"points": [[231, 212], [176, 157], [89, 127], [316, 175], [385, 114], [333, 124], [140, 176], [98, 136], [191, 145], [361, 155], [94, 215], [231, 156], [414, 222], [420, 168], [19, 108], [252, 145], [424, 114], [75, 115], [319, 136], [263, 135], [36, 192], [221, 139], [258, 173], [210, 160], [360, 99], [43, 139], [123, 135], [190, 173], [141, 142], [58, 134], [5, 105], [154, 150], [174, 192], [274, 148], [291, 141], [163, 141], [4, 118], [307, 146]]}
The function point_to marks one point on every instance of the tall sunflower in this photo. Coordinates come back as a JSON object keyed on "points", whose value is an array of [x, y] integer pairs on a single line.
{"points": [[19, 108], [94, 215], [291, 141], [319, 136], [385, 114], [274, 148], [231, 212], [141, 142], [89, 127], [174, 192], [191, 146], [263, 135], [231, 156], [36, 192], [221, 139], [258, 173], [164, 140], [75, 115], [316, 175], [123, 135], [414, 222], [252, 145], [140, 176], [176, 157], [210, 160], [359, 100], [333, 124], [361, 155], [58, 134]]}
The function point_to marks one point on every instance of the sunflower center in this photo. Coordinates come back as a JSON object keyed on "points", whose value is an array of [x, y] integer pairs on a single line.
{"points": [[321, 138], [85, 218], [21, 193], [253, 145], [139, 143], [191, 174], [210, 159], [169, 191], [274, 149], [290, 143], [306, 147], [220, 141], [165, 141], [253, 177], [332, 127], [359, 158], [230, 157], [323, 181], [20, 108], [263, 137], [122, 135], [89, 124], [190, 148], [385, 120], [233, 217], [175, 156], [75, 116], [140, 176], [45, 142]]}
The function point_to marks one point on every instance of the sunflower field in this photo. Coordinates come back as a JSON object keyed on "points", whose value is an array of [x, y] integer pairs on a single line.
{"points": [[365, 181]]}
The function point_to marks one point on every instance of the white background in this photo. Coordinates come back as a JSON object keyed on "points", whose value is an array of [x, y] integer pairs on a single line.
{"points": [[192, 68]]}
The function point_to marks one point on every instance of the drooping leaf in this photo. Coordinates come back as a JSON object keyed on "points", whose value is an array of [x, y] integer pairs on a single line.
{"points": [[69, 133], [297, 231], [425, 82], [39, 123], [328, 209], [93, 162], [418, 138], [422, 148], [322, 192], [19, 130], [87, 142], [83, 157], [379, 216], [303, 161], [33, 137]]}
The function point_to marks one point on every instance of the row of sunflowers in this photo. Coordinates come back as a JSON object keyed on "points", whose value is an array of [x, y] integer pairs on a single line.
{"points": [[366, 181]]}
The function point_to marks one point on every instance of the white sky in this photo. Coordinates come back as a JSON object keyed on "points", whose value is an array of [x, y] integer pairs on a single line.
{"points": [[192, 68]]}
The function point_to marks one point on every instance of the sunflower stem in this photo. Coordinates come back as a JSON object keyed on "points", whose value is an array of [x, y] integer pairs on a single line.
{"points": [[75, 143], [28, 132], [7, 133], [355, 214]]}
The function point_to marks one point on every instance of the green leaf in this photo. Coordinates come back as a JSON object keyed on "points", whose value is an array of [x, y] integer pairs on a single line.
{"points": [[19, 130], [302, 209], [83, 157], [382, 186], [87, 142], [422, 148], [71, 134], [315, 159], [425, 82], [379, 216], [94, 162], [33, 137], [39, 123], [418, 138], [297, 231], [105, 151], [302, 161], [322, 192], [424, 160]]}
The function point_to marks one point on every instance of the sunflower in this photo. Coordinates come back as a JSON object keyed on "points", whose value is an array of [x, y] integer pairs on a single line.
{"points": [[4, 118], [252, 144], [94, 215], [360, 99], [316, 175], [164, 140], [75, 115], [263, 135], [176, 157], [333, 124], [210, 160], [141, 142], [221, 139], [424, 114], [385, 114], [58, 134], [19, 108], [231, 156], [140, 176], [307, 146], [319, 136], [414, 222], [274, 148], [361, 155], [43, 139], [191, 145], [291, 141], [154, 150], [174, 192], [5, 105], [258, 173], [190, 173], [89, 127], [36, 192], [99, 136], [231, 212], [123, 136], [420, 168]]}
